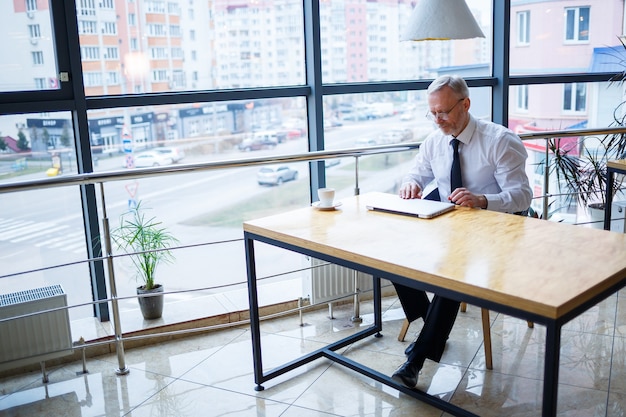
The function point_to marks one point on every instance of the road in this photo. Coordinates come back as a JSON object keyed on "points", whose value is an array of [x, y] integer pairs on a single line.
{"points": [[42, 228]]}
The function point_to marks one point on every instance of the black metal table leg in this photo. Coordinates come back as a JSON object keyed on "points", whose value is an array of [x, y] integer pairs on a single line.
{"points": [[551, 370], [254, 313], [610, 179]]}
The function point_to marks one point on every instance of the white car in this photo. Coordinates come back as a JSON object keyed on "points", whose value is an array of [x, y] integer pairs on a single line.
{"points": [[364, 142], [407, 115], [175, 153], [276, 175], [152, 159]]}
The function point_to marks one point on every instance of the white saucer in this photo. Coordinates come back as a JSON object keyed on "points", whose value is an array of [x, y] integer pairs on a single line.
{"points": [[333, 207]]}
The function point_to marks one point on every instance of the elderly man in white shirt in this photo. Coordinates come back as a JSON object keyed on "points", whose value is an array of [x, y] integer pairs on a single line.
{"points": [[491, 176]]}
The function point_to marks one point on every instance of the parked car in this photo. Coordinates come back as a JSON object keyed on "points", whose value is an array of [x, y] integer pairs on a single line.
{"points": [[152, 159], [175, 153], [260, 140], [407, 115], [294, 128], [355, 115], [276, 175], [392, 136], [407, 134], [395, 136], [365, 142]]}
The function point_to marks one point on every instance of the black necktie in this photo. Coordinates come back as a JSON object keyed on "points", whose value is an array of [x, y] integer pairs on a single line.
{"points": [[456, 179]]}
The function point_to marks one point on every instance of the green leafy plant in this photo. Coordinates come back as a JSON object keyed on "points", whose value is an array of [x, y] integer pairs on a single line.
{"points": [[585, 172], [146, 241]]}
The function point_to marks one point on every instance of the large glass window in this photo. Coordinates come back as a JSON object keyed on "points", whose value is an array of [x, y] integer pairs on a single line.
{"points": [[200, 132], [360, 42], [42, 228], [570, 38], [37, 145], [366, 120], [241, 48], [562, 107], [374, 119], [28, 42]]}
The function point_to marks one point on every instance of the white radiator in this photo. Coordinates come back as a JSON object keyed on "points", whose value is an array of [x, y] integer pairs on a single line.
{"points": [[38, 337], [325, 282]]}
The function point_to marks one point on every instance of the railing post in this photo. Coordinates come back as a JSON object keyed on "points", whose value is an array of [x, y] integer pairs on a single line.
{"points": [[546, 180], [357, 302], [357, 191], [119, 343]]}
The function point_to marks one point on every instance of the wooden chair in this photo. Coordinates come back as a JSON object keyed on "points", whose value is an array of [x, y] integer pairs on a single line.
{"points": [[486, 333]]}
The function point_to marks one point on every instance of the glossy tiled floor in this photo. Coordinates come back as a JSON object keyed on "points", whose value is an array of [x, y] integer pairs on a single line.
{"points": [[211, 375]]}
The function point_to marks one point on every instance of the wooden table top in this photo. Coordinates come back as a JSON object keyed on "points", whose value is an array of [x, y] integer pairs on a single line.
{"points": [[617, 164], [533, 265]]}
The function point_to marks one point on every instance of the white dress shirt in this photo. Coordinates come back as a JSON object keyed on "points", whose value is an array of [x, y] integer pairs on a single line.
{"points": [[493, 163]]}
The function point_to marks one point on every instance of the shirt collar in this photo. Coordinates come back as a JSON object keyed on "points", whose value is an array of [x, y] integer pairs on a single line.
{"points": [[466, 135]]}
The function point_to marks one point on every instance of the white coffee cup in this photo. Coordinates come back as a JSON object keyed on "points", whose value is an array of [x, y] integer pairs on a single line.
{"points": [[326, 196]]}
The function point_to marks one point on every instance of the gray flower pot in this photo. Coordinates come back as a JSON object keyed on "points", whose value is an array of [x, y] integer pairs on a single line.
{"points": [[151, 307]]}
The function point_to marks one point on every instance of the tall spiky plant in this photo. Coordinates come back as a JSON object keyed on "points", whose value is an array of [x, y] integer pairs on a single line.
{"points": [[146, 242], [586, 174]]}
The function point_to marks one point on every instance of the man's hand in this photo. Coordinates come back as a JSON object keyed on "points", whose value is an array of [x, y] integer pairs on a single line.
{"points": [[410, 190], [463, 197]]}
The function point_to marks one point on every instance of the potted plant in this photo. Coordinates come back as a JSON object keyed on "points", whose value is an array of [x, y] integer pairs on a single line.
{"points": [[148, 243], [585, 172]]}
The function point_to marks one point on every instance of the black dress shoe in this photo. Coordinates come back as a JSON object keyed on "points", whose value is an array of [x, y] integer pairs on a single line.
{"points": [[407, 374], [409, 349]]}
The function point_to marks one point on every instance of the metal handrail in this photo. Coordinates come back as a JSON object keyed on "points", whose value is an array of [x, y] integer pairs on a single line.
{"points": [[572, 132], [99, 177]]}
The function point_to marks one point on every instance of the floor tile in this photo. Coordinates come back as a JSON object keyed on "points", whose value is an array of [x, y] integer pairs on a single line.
{"points": [[212, 374]]}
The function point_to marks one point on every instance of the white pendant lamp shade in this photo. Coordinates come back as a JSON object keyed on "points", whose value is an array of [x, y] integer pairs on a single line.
{"points": [[442, 20]]}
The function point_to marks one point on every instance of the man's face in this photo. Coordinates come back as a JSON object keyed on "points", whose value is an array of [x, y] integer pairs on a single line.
{"points": [[452, 112]]}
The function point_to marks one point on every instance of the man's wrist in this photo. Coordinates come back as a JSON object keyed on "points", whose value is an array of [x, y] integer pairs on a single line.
{"points": [[484, 203]]}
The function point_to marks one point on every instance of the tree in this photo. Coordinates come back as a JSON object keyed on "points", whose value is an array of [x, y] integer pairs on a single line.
{"points": [[22, 142], [3, 145], [46, 137], [34, 139], [65, 136]]}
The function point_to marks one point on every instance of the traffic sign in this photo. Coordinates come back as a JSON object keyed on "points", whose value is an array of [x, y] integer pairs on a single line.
{"points": [[130, 161], [127, 145], [132, 189]]}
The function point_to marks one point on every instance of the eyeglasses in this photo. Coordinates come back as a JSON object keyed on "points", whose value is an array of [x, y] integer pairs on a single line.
{"points": [[443, 115]]}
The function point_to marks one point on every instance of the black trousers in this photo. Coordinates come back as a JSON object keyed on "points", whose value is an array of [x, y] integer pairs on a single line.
{"points": [[439, 316]]}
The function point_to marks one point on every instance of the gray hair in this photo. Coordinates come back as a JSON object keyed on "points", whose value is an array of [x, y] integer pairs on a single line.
{"points": [[456, 83]]}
